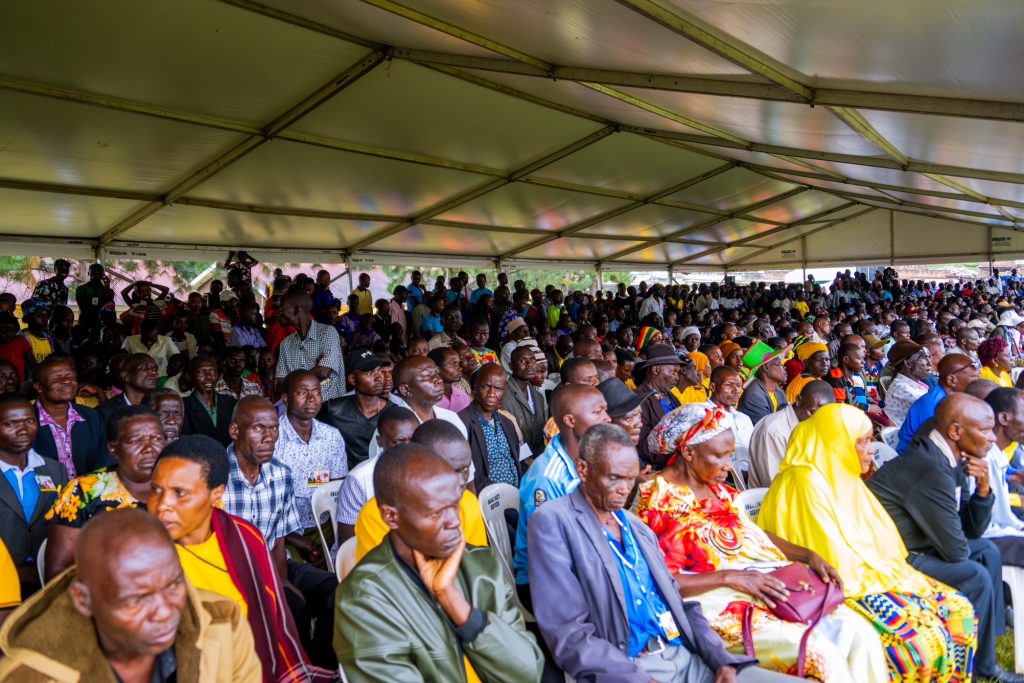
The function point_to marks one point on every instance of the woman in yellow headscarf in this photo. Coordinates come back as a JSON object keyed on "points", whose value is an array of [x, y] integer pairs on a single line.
{"points": [[816, 362], [819, 501]]}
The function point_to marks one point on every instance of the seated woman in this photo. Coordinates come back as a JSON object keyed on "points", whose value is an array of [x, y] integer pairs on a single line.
{"points": [[818, 500], [714, 551], [913, 364], [135, 437], [996, 363]]}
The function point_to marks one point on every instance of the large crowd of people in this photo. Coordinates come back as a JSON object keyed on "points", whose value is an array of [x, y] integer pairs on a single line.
{"points": [[160, 461]]}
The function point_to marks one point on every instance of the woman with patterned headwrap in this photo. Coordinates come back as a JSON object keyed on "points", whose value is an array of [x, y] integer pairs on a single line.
{"points": [[715, 550], [818, 500]]}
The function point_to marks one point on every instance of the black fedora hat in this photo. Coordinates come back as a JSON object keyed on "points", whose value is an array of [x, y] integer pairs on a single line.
{"points": [[661, 354], [619, 397]]}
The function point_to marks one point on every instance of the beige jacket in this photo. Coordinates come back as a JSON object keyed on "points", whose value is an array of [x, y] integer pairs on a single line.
{"points": [[46, 639]]}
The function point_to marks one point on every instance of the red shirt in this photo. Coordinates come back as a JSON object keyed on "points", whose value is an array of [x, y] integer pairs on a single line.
{"points": [[15, 352]]}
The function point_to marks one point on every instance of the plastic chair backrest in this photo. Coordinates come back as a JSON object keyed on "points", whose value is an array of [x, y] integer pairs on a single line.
{"points": [[41, 562], [346, 559], [750, 502], [740, 466], [325, 500], [494, 501], [883, 453]]}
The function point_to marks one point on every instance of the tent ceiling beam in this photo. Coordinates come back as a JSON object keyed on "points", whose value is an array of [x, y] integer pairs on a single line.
{"points": [[729, 86], [672, 236], [613, 213], [763, 235], [783, 243], [732, 50], [343, 80], [481, 190], [859, 160]]}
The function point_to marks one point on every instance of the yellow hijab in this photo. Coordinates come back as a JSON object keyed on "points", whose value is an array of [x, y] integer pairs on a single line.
{"points": [[819, 501]]}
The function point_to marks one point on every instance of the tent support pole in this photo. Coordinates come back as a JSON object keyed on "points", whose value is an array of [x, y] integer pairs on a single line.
{"points": [[599, 269], [892, 238], [803, 256], [991, 256]]}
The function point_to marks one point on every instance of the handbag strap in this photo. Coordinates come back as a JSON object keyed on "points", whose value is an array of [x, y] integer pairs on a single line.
{"points": [[801, 661]]}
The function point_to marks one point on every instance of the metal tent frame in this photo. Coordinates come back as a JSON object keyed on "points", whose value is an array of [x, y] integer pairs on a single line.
{"points": [[609, 134]]}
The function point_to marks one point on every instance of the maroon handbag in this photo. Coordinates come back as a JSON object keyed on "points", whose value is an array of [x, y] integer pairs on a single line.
{"points": [[810, 600]]}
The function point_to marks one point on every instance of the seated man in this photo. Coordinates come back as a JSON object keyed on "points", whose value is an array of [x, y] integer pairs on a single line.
{"points": [[492, 436], [441, 438], [604, 600], [135, 439], [261, 490], [355, 415], [71, 434], [138, 376], [771, 435], [127, 614], [1006, 530], [207, 412], [576, 408], [422, 605], [726, 389], [169, 408], [314, 451], [29, 486], [926, 493], [395, 425], [764, 394], [224, 554]]}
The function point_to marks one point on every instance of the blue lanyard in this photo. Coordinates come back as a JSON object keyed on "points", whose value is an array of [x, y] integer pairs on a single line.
{"points": [[626, 534]]}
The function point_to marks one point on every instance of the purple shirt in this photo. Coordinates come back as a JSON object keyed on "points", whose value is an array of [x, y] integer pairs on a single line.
{"points": [[242, 335], [459, 400], [62, 436]]}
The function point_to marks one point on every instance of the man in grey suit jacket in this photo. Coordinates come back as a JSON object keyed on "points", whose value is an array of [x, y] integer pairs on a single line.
{"points": [[765, 394], [603, 598]]}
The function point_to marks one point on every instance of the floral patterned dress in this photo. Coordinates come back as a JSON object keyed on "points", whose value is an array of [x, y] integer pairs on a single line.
{"points": [[87, 496], [708, 535]]}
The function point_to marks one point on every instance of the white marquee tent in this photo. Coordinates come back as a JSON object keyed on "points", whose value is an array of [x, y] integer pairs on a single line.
{"points": [[620, 134]]}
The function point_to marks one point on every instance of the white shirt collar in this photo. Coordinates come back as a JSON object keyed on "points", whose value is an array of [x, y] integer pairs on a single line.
{"points": [[34, 460]]}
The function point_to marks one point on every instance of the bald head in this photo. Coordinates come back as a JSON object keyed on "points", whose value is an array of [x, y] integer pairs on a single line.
{"points": [[406, 370], [418, 494], [298, 298], [967, 422], [956, 372], [139, 563]]}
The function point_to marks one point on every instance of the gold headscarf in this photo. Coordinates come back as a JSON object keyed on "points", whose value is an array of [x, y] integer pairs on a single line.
{"points": [[819, 501]]}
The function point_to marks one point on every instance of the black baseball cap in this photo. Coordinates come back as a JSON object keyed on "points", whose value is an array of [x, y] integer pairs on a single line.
{"points": [[363, 360]]}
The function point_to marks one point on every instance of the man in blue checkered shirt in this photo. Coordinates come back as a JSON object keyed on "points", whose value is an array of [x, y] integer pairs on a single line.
{"points": [[261, 490]]}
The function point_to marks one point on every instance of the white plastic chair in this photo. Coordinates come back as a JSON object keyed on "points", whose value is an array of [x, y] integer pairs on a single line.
{"points": [[883, 453], [325, 500], [1014, 578], [494, 501], [346, 559], [891, 436], [740, 467], [41, 562], [749, 502]]}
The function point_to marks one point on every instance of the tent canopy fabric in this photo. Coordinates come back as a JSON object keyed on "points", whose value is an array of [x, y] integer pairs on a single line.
{"points": [[625, 134]]}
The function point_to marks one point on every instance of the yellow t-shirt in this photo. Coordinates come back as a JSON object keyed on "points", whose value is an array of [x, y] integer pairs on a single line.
{"points": [[10, 587], [205, 568], [365, 297], [1002, 379], [41, 348], [690, 395], [371, 529], [802, 307]]}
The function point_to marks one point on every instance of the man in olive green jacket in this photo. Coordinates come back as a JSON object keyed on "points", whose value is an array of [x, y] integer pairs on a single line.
{"points": [[422, 606], [127, 612]]}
